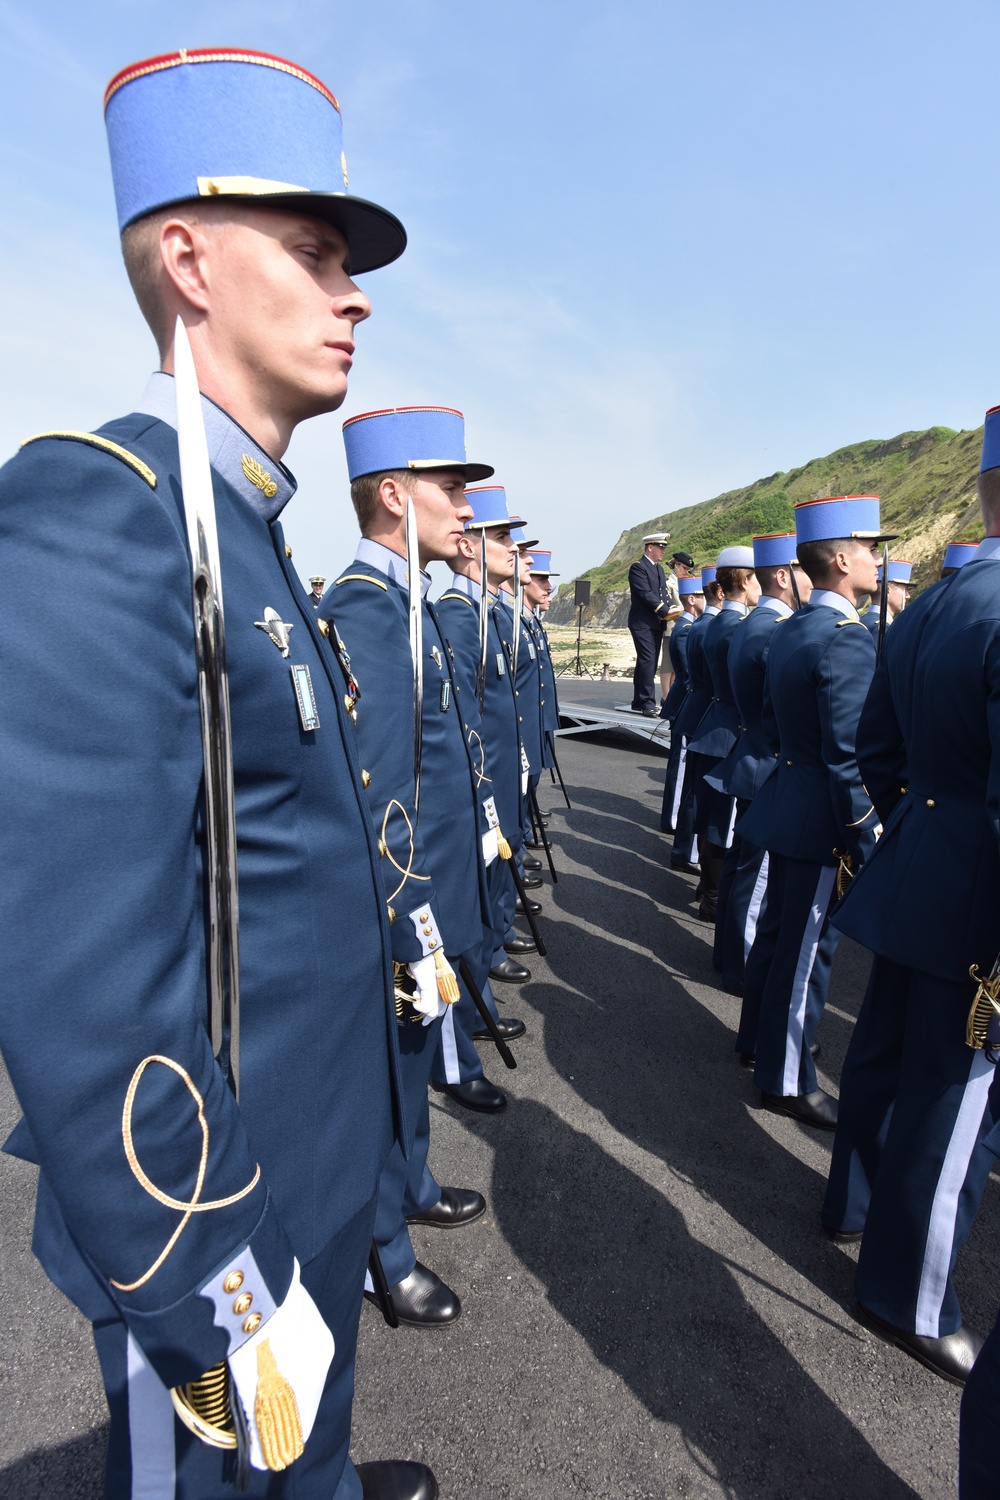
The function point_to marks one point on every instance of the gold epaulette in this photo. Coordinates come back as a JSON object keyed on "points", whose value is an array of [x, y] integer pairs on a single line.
{"points": [[846, 621], [464, 598], [95, 441], [361, 578]]}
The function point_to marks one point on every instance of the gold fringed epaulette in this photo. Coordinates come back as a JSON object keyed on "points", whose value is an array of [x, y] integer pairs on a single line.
{"points": [[361, 578], [94, 440]]}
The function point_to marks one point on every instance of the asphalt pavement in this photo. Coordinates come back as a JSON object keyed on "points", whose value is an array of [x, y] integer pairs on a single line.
{"points": [[650, 1308]]}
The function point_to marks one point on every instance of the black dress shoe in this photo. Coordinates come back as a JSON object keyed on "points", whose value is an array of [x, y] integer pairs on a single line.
{"points": [[685, 866], [533, 906], [951, 1356], [510, 1029], [455, 1207], [545, 816], [747, 1059], [509, 971], [650, 713], [530, 862], [707, 910], [478, 1094], [531, 882], [818, 1108], [815, 1050], [841, 1236], [422, 1300], [516, 945], [401, 1480]]}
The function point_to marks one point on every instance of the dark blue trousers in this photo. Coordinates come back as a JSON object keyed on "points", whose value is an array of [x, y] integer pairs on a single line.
{"points": [[153, 1456], [978, 1467], [648, 638], [742, 896], [686, 836], [407, 1184], [909, 1163], [788, 973], [456, 1059]]}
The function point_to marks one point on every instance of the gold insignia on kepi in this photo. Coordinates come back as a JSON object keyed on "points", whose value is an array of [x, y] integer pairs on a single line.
{"points": [[258, 475], [274, 626]]}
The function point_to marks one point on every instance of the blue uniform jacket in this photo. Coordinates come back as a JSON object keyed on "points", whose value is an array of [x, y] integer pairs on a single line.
{"points": [[716, 734], [814, 806], [929, 897], [649, 594], [433, 856], [677, 647], [526, 689], [548, 706], [754, 755], [699, 688], [496, 747], [103, 907]]}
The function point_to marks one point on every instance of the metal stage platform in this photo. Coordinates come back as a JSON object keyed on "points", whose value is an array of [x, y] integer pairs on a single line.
{"points": [[590, 718]]}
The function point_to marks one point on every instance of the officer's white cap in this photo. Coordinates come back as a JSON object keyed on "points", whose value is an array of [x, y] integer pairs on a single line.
{"points": [[662, 537]]}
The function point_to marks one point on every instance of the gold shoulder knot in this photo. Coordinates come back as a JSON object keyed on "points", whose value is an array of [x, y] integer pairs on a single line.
{"points": [[361, 578], [94, 440]]}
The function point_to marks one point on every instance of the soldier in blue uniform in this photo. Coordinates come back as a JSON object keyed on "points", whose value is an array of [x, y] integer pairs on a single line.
{"points": [[692, 711], [496, 746], [898, 592], [538, 595], [715, 736], [653, 603], [813, 813], [909, 1162], [693, 601], [751, 760], [189, 1228], [433, 826]]}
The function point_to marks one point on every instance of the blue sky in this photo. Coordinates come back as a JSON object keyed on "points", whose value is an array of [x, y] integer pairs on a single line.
{"points": [[657, 249]]}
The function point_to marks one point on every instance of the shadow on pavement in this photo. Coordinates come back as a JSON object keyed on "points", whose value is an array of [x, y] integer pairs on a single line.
{"points": [[73, 1471]]}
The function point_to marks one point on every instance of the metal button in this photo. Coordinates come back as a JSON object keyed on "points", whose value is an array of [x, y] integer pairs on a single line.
{"points": [[432, 943], [425, 916], [931, 802], [392, 912], [382, 850], [288, 552], [233, 1282], [428, 931], [366, 779], [323, 628], [251, 1324], [243, 1303], [787, 762]]}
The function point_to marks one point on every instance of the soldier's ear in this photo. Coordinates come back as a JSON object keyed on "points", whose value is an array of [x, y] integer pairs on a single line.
{"points": [[392, 497]]}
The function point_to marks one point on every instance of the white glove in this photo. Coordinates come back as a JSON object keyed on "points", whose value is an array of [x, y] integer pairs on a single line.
{"points": [[427, 1000], [490, 847], [302, 1349]]}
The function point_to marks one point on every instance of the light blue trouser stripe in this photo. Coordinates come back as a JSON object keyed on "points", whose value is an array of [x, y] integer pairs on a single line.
{"points": [[150, 1428], [756, 906], [679, 783], [944, 1209], [795, 1034]]}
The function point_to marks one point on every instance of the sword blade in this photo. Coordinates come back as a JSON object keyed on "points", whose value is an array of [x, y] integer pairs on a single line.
{"points": [[216, 726], [484, 604], [883, 603], [518, 606], [416, 644]]}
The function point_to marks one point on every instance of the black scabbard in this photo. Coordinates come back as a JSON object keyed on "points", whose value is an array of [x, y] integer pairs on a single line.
{"points": [[484, 1011], [555, 771], [383, 1296], [523, 897], [536, 818]]}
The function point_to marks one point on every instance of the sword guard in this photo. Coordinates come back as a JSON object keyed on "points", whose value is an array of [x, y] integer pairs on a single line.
{"points": [[985, 1007]]}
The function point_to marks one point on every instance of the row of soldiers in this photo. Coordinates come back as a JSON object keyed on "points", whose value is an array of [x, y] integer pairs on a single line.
{"points": [[828, 778], [261, 857]]}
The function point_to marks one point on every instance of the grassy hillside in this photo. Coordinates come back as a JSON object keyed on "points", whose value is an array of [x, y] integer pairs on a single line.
{"points": [[926, 481]]}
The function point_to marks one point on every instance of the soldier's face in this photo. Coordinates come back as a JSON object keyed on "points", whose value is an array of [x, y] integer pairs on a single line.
{"points": [[898, 595], [863, 566], [500, 553], [442, 511], [283, 307], [753, 590]]}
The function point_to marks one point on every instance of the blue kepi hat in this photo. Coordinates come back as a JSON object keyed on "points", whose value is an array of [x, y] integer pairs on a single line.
{"points": [[541, 564], [899, 571], [489, 508], [777, 550], [957, 554], [227, 123], [692, 585], [408, 437], [840, 517]]}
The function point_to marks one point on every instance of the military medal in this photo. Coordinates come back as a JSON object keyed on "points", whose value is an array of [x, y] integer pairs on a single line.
{"points": [[305, 697]]}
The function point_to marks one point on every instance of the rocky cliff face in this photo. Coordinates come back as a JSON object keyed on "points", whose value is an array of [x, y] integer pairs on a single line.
{"points": [[605, 611]]}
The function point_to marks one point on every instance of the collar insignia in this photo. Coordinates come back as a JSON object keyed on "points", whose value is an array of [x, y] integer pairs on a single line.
{"points": [[259, 477], [273, 625]]}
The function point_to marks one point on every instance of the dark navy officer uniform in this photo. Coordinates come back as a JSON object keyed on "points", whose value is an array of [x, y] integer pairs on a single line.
{"points": [[909, 1163], [652, 600], [174, 1218], [433, 851], [809, 814], [750, 761]]}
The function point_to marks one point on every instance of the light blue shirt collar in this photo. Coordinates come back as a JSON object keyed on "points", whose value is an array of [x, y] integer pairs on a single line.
{"points": [[687, 616], [231, 451], [377, 555], [461, 583], [777, 605], [734, 605], [710, 609], [835, 601], [989, 548]]}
